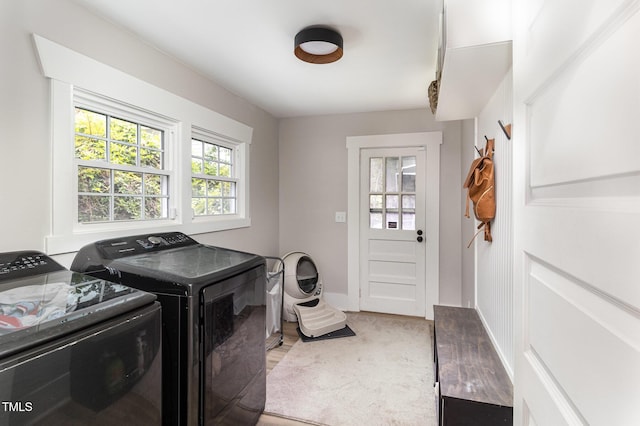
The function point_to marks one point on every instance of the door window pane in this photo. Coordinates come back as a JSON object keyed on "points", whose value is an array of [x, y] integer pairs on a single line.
{"points": [[376, 174], [392, 221], [409, 174], [375, 220], [392, 202], [408, 202], [408, 221], [375, 202], [409, 212], [393, 174]]}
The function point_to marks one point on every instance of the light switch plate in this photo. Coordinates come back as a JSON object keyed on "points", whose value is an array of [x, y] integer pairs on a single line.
{"points": [[341, 217]]}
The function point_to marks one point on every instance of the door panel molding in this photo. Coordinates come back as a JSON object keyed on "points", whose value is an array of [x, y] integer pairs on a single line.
{"points": [[577, 205]]}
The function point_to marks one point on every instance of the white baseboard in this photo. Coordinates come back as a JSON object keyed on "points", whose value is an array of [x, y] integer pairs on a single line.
{"points": [[337, 300]]}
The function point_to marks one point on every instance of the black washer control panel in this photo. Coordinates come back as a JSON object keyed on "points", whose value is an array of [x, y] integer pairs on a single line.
{"points": [[129, 246], [18, 264]]}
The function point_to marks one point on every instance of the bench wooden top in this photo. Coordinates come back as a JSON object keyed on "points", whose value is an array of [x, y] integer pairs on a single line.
{"points": [[468, 365]]}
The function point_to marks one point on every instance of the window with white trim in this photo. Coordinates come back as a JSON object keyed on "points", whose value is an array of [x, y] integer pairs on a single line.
{"points": [[213, 181], [121, 157], [120, 166]]}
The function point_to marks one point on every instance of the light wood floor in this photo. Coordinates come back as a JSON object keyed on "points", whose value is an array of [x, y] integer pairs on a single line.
{"points": [[274, 356]]}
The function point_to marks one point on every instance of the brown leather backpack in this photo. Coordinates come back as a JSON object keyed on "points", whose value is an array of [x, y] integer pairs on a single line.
{"points": [[481, 190]]}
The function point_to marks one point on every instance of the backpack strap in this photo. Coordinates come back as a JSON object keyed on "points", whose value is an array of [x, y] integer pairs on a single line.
{"points": [[475, 235], [489, 148], [487, 232], [486, 227], [466, 211]]}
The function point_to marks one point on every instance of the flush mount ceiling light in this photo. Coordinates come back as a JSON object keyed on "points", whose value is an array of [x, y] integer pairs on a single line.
{"points": [[318, 45]]}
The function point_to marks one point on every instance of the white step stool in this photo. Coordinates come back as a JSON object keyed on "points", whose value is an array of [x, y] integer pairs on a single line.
{"points": [[316, 318]]}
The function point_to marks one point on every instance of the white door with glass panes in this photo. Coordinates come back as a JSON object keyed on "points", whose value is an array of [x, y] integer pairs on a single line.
{"points": [[392, 245]]}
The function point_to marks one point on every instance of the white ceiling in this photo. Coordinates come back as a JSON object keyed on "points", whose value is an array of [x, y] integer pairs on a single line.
{"points": [[246, 46]]}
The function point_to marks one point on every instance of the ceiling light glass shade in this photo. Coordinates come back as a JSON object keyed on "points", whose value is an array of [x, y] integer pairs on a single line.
{"points": [[318, 45]]}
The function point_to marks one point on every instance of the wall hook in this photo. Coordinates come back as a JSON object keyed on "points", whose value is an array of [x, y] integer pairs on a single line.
{"points": [[506, 129]]}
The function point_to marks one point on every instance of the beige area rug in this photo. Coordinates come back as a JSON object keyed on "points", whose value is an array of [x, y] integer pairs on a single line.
{"points": [[381, 376]]}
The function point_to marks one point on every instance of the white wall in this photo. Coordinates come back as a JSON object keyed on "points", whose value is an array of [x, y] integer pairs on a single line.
{"points": [[494, 261], [468, 153], [25, 150], [313, 186]]}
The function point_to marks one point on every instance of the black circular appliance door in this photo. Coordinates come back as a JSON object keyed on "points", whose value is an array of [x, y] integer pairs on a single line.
{"points": [[307, 275]]}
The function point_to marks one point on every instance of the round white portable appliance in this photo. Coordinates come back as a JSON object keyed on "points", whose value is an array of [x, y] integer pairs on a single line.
{"points": [[301, 282]]}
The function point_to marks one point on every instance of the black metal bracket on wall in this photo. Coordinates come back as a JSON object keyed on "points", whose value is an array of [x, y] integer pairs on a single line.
{"points": [[506, 129]]}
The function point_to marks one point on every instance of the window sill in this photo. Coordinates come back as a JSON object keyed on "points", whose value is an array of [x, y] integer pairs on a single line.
{"points": [[60, 244]]}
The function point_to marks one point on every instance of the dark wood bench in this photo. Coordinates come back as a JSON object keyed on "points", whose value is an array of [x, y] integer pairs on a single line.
{"points": [[475, 388]]}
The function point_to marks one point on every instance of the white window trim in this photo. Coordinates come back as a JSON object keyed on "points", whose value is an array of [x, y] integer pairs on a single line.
{"points": [[68, 69], [97, 103], [239, 169]]}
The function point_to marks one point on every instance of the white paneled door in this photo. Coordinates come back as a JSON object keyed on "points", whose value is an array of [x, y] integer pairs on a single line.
{"points": [[394, 192], [392, 219], [576, 143]]}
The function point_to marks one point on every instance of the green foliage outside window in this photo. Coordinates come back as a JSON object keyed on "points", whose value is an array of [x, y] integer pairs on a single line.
{"points": [[213, 191], [107, 192]]}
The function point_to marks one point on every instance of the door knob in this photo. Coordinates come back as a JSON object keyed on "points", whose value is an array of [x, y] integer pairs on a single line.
{"points": [[419, 231], [419, 239]]}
